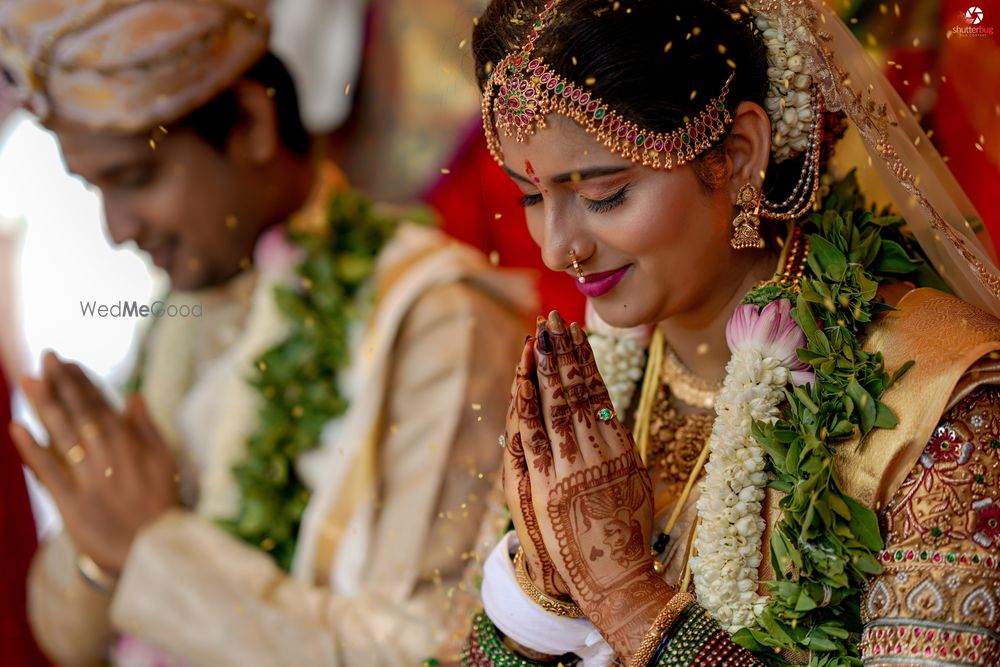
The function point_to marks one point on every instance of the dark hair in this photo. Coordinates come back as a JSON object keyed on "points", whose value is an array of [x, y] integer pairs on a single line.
{"points": [[215, 120], [656, 62]]}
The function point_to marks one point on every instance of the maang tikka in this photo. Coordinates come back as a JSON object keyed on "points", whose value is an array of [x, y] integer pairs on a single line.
{"points": [[523, 89]]}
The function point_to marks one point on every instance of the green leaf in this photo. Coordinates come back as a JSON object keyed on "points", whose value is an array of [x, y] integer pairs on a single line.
{"points": [[826, 258], [780, 486], [864, 525], [868, 287], [901, 371], [865, 404], [867, 564], [804, 602], [838, 505], [884, 417], [893, 259], [747, 639], [803, 396], [820, 642]]}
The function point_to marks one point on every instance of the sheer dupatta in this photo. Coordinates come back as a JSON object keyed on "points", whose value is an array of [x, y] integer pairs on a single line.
{"points": [[923, 190]]}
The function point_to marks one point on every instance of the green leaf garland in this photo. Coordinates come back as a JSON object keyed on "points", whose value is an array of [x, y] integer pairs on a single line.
{"points": [[823, 548], [297, 379]]}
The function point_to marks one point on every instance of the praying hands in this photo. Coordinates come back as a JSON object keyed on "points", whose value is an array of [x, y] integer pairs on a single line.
{"points": [[580, 498], [110, 473]]}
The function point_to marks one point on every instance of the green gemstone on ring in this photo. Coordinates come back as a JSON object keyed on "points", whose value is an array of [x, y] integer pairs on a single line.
{"points": [[604, 414]]}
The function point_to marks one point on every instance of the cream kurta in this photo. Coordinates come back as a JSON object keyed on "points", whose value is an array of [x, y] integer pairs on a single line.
{"points": [[442, 341]]}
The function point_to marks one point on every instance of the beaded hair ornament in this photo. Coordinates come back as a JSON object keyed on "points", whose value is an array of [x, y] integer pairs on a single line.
{"points": [[522, 90]]}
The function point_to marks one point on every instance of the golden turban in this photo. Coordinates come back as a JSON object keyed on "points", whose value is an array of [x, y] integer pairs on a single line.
{"points": [[126, 65]]}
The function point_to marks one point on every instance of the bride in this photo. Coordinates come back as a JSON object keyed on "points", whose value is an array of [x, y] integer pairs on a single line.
{"points": [[780, 439]]}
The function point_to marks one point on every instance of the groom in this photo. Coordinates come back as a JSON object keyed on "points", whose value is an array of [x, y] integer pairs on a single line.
{"points": [[176, 111]]}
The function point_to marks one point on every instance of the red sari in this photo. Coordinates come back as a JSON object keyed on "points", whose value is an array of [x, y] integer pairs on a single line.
{"points": [[17, 527]]}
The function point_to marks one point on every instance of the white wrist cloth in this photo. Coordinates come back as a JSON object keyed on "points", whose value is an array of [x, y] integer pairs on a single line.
{"points": [[517, 616]]}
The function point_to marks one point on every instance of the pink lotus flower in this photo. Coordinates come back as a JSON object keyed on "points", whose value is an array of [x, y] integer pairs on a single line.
{"points": [[772, 331], [275, 252]]}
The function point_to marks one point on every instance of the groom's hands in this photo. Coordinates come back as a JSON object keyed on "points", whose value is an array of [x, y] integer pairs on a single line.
{"points": [[110, 473]]}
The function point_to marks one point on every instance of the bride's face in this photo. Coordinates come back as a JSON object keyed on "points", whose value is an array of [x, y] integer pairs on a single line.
{"points": [[653, 244]]}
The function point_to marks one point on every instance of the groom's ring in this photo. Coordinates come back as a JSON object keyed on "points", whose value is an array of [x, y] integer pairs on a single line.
{"points": [[76, 454]]}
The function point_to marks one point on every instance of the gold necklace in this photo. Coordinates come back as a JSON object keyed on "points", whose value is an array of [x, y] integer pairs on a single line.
{"points": [[685, 385]]}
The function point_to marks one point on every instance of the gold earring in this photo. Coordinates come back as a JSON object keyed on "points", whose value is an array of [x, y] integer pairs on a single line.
{"points": [[576, 267], [746, 225]]}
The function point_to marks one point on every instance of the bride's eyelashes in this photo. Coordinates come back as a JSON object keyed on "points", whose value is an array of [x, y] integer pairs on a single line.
{"points": [[597, 206], [610, 203]]}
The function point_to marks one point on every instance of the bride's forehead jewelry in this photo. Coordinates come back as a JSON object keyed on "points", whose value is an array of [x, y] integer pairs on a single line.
{"points": [[523, 89]]}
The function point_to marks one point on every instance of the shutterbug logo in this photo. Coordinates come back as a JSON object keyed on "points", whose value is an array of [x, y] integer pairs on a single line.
{"points": [[975, 24]]}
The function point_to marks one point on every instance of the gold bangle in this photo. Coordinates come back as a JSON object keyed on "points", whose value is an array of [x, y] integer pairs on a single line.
{"points": [[667, 615], [95, 575], [550, 604]]}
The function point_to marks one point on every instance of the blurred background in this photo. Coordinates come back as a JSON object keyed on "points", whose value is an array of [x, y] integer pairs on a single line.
{"points": [[390, 87]]}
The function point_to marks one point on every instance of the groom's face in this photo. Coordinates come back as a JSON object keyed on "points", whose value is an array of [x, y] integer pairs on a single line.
{"points": [[178, 198]]}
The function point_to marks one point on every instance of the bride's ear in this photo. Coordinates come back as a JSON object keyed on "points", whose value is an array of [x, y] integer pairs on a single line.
{"points": [[748, 147]]}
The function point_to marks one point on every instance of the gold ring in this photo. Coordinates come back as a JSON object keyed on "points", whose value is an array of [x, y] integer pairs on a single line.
{"points": [[89, 430], [75, 454], [605, 414]]}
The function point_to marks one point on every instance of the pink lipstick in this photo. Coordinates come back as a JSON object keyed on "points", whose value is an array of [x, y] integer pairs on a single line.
{"points": [[599, 284]]}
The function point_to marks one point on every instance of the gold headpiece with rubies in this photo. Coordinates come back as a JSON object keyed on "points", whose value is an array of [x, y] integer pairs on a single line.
{"points": [[522, 90]]}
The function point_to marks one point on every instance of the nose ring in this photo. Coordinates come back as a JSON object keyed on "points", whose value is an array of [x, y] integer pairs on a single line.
{"points": [[576, 267]]}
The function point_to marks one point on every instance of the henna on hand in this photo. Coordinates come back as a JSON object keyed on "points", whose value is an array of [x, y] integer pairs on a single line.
{"points": [[601, 519], [517, 486], [594, 504]]}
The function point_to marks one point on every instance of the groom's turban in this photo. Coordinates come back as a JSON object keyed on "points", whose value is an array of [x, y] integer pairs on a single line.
{"points": [[126, 65]]}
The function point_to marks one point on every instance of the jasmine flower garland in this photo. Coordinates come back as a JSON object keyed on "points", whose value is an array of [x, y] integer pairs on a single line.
{"points": [[728, 539]]}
